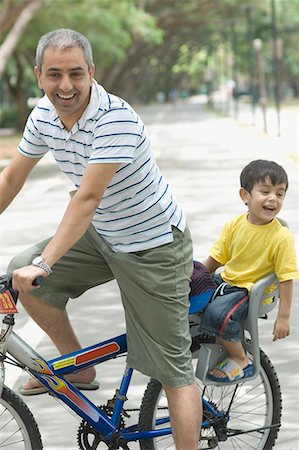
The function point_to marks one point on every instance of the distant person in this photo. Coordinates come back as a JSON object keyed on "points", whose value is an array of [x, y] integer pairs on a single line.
{"points": [[123, 222], [173, 95], [251, 246]]}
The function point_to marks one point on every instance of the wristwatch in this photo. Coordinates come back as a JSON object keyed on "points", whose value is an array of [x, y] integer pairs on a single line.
{"points": [[39, 262]]}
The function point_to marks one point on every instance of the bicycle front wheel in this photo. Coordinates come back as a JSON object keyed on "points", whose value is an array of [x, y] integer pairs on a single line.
{"points": [[18, 429], [253, 410]]}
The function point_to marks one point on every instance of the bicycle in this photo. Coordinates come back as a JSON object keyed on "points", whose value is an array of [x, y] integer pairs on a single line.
{"points": [[240, 414]]}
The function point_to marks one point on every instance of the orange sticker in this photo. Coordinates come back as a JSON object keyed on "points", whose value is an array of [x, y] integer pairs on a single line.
{"points": [[7, 304]]}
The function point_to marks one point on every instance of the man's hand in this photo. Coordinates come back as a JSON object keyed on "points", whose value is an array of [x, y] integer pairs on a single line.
{"points": [[281, 328], [23, 278]]}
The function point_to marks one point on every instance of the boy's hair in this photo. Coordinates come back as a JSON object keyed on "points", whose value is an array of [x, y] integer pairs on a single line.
{"points": [[257, 171], [63, 38]]}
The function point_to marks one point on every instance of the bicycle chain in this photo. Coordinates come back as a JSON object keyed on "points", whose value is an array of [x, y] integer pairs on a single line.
{"points": [[87, 432]]}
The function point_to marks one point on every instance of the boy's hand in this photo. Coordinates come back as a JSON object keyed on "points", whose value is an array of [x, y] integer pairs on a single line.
{"points": [[281, 328]]}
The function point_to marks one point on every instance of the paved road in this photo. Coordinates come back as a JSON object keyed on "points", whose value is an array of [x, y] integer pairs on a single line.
{"points": [[202, 155]]}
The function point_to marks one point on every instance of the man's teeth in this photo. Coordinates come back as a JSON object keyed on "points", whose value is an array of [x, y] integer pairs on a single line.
{"points": [[66, 97]]}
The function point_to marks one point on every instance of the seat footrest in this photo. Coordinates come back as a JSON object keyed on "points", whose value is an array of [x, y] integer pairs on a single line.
{"points": [[208, 356]]}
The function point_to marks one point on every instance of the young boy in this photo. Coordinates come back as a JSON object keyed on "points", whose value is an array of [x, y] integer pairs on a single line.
{"points": [[250, 247]]}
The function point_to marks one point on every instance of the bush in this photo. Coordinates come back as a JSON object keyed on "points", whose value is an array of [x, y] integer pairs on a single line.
{"points": [[8, 117]]}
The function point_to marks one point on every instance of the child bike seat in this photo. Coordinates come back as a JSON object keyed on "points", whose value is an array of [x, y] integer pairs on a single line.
{"points": [[263, 298]]}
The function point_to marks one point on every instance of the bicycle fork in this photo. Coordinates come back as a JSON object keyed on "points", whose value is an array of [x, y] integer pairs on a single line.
{"points": [[6, 329]]}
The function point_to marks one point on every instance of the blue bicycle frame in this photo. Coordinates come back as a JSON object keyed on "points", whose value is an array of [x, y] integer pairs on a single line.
{"points": [[52, 375]]}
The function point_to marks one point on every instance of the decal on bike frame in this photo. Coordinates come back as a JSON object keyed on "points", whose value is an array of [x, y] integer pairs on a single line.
{"points": [[89, 355], [103, 350]]}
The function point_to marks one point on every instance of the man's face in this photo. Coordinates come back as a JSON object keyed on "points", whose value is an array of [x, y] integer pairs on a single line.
{"points": [[66, 80]]}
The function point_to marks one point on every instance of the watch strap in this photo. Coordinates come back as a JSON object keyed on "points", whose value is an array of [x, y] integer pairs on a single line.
{"points": [[39, 262]]}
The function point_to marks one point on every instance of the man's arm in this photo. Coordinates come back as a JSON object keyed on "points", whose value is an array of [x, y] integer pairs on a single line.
{"points": [[282, 323], [80, 210], [74, 223], [13, 177]]}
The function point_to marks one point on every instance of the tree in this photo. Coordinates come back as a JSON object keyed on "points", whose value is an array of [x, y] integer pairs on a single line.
{"points": [[142, 47], [110, 26], [189, 24], [19, 15]]}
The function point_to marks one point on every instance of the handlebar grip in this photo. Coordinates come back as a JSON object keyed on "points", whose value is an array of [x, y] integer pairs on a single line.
{"points": [[6, 282], [39, 281]]}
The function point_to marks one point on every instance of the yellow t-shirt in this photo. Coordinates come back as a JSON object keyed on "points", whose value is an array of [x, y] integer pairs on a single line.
{"points": [[250, 252]]}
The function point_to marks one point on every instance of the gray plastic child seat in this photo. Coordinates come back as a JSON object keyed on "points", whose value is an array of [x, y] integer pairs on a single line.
{"points": [[263, 298]]}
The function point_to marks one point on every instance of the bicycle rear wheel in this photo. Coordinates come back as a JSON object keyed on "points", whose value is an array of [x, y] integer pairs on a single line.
{"points": [[253, 409], [18, 429]]}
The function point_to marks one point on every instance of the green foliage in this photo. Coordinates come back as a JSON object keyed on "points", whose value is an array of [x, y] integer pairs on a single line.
{"points": [[142, 47], [9, 117], [110, 26]]}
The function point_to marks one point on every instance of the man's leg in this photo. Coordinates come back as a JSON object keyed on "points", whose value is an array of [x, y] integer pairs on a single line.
{"points": [[185, 409], [56, 324], [83, 267]]}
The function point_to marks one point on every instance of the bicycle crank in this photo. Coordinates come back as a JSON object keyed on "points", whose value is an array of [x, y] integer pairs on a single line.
{"points": [[89, 439]]}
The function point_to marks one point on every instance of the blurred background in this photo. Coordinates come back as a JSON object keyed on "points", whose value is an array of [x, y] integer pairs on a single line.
{"points": [[217, 84], [230, 52]]}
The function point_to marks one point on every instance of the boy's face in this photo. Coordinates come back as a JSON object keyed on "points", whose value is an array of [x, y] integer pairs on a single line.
{"points": [[264, 201], [66, 80]]}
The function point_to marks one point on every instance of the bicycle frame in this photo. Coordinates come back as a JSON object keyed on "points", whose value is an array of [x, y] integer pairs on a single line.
{"points": [[52, 375]]}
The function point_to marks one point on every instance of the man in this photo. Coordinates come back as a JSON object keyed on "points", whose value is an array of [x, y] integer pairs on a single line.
{"points": [[122, 222]]}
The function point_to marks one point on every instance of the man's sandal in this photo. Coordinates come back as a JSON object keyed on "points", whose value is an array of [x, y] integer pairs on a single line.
{"points": [[92, 386], [232, 370]]}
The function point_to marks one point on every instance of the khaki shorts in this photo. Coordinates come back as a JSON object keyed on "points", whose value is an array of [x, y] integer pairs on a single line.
{"points": [[154, 286]]}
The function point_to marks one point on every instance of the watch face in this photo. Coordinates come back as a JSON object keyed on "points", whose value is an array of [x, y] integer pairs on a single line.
{"points": [[37, 260]]}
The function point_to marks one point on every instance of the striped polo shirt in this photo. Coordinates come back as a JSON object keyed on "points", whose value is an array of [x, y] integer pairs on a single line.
{"points": [[138, 209]]}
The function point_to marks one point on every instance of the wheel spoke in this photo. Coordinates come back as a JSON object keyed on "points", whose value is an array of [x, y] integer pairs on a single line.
{"points": [[252, 409], [18, 429]]}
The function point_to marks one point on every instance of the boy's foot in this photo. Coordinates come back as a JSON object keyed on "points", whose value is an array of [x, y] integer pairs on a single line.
{"points": [[34, 387], [229, 370]]}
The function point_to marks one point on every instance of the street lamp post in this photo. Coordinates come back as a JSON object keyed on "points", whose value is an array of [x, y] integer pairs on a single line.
{"points": [[258, 45], [248, 13], [277, 57], [235, 68]]}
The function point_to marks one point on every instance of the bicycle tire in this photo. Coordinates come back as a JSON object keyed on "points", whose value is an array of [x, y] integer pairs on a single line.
{"points": [[254, 395], [18, 428]]}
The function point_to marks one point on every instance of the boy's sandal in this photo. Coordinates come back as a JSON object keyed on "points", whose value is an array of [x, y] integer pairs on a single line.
{"points": [[232, 370]]}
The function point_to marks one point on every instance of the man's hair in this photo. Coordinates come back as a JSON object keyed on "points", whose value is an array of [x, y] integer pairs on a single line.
{"points": [[63, 38], [257, 171]]}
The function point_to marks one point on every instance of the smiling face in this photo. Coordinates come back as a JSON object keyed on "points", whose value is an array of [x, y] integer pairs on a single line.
{"points": [[66, 80], [264, 201]]}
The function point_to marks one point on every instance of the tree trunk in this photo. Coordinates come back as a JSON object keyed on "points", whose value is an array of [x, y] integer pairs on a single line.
{"points": [[15, 34]]}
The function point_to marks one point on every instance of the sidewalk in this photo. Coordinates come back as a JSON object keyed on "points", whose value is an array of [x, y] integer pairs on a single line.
{"points": [[201, 154], [209, 152]]}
